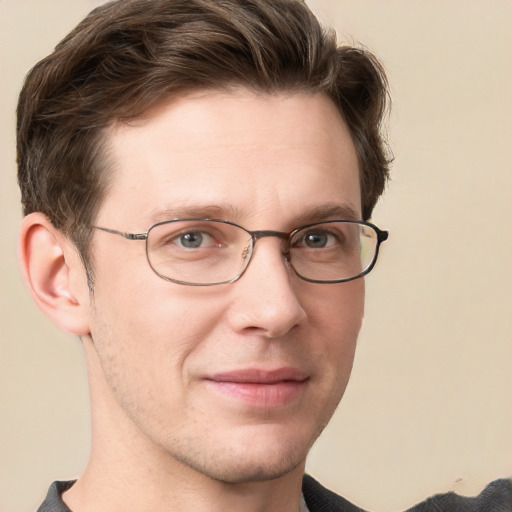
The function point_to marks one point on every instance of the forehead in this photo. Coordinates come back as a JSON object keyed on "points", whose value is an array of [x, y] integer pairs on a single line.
{"points": [[242, 152]]}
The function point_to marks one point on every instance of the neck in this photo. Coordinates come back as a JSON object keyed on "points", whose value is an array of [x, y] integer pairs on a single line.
{"points": [[130, 490], [127, 472]]}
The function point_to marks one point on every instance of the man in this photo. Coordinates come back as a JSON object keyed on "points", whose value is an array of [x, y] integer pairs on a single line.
{"points": [[196, 179]]}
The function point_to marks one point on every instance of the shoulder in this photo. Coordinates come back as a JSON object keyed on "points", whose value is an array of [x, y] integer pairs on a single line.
{"points": [[53, 501], [320, 499], [496, 497]]}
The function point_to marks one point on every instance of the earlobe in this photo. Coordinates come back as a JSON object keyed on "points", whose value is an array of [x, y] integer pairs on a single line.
{"points": [[54, 274]]}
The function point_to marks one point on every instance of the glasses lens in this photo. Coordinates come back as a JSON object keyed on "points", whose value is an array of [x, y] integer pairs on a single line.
{"points": [[333, 251], [198, 252]]}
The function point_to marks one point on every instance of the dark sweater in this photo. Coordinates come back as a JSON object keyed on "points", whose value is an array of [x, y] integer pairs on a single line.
{"points": [[496, 497]]}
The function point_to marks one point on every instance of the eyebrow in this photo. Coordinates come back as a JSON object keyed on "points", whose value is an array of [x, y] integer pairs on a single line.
{"points": [[198, 211], [234, 214], [328, 212]]}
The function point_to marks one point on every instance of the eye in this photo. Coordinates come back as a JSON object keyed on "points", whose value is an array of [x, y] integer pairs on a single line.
{"points": [[190, 240], [317, 239], [194, 240]]}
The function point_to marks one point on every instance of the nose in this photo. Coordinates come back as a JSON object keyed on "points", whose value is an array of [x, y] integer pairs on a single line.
{"points": [[265, 298]]}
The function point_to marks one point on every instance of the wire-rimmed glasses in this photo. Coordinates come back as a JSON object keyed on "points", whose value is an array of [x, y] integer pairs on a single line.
{"points": [[204, 252]]}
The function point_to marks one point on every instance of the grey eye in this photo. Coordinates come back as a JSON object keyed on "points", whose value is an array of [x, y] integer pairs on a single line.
{"points": [[316, 239], [191, 240]]}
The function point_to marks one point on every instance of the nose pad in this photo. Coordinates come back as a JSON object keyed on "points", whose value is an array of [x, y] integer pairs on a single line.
{"points": [[266, 301], [247, 251], [246, 257], [250, 248], [285, 251]]}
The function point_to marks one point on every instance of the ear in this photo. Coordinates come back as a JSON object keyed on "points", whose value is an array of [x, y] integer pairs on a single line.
{"points": [[54, 274]]}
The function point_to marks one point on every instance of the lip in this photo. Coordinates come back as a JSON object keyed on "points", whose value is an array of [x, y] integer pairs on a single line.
{"points": [[259, 387]]}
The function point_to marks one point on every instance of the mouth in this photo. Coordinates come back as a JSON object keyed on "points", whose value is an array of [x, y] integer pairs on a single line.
{"points": [[260, 388]]}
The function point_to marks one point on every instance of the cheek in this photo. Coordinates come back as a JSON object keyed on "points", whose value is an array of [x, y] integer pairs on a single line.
{"points": [[146, 341], [337, 316], [156, 321], [338, 310], [152, 328]]}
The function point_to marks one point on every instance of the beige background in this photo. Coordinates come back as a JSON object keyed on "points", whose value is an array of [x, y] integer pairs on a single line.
{"points": [[429, 405]]}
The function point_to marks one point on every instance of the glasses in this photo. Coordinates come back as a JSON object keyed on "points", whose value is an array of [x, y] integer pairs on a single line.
{"points": [[204, 252]]}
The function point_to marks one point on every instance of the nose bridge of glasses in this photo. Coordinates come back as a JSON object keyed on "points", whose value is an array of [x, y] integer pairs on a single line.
{"points": [[256, 235], [284, 237], [250, 249]]}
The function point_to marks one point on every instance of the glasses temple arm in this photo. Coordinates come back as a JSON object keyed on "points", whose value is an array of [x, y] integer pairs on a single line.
{"points": [[128, 236]]}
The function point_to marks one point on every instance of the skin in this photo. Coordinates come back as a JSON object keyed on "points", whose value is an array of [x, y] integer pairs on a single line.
{"points": [[173, 436]]}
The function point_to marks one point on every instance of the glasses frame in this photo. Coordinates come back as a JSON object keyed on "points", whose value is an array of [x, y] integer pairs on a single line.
{"points": [[255, 236]]}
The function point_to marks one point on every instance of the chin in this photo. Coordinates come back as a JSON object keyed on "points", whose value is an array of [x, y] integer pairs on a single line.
{"points": [[239, 472], [254, 458], [257, 474]]}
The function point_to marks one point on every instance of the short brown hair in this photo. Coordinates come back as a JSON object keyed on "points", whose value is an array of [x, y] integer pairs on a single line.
{"points": [[127, 55]]}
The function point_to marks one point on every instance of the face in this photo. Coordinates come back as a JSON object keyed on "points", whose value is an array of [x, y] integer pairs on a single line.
{"points": [[232, 381]]}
